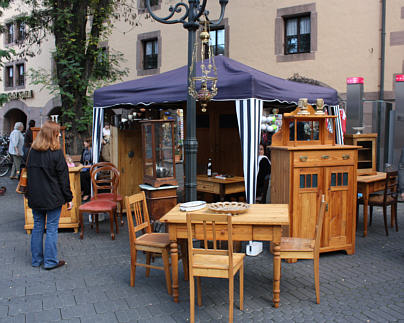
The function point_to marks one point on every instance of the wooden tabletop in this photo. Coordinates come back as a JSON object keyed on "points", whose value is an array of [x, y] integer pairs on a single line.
{"points": [[371, 178], [265, 214], [213, 179]]}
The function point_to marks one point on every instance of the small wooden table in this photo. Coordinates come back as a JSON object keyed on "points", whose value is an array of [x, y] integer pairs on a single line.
{"points": [[368, 184], [221, 187], [262, 222]]}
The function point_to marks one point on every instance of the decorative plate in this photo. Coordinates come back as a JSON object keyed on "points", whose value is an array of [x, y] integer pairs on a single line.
{"points": [[192, 206], [229, 207]]}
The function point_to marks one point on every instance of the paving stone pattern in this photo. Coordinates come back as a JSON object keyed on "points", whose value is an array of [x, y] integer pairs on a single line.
{"points": [[94, 285]]}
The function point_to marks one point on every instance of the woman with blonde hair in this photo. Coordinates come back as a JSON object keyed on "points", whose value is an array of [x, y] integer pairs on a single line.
{"points": [[48, 189]]}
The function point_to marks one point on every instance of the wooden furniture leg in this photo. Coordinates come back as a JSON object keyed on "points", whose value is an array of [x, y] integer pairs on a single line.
{"points": [[81, 225], [365, 211], [277, 272], [174, 268]]}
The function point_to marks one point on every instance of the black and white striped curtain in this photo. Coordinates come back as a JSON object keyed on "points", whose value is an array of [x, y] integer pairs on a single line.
{"points": [[249, 114], [98, 124], [339, 135]]}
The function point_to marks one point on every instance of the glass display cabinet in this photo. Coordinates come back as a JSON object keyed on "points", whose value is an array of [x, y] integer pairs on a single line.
{"points": [[158, 152]]}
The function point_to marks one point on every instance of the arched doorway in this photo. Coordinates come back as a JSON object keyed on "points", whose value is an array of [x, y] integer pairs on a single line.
{"points": [[55, 111], [11, 117]]}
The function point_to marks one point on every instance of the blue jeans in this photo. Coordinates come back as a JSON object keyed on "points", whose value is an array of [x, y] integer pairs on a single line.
{"points": [[50, 257]]}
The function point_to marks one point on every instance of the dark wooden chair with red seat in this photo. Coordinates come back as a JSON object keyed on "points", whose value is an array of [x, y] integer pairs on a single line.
{"points": [[388, 198], [109, 195], [99, 205]]}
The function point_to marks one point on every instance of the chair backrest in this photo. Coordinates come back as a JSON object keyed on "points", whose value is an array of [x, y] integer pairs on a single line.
{"points": [[390, 189], [136, 205], [101, 164], [105, 178], [209, 225], [319, 224]]}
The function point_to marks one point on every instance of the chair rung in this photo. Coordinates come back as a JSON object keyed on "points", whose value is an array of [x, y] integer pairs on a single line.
{"points": [[149, 266]]}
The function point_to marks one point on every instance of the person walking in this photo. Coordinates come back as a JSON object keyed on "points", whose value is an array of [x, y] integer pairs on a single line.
{"points": [[15, 149], [28, 138], [48, 189]]}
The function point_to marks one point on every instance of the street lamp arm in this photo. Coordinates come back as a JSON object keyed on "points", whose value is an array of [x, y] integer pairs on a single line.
{"points": [[176, 9], [201, 9], [223, 4]]}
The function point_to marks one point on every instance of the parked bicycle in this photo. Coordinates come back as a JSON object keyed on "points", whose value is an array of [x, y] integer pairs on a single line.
{"points": [[6, 161]]}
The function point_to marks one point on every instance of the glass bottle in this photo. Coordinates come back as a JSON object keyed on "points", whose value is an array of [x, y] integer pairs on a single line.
{"points": [[209, 168]]}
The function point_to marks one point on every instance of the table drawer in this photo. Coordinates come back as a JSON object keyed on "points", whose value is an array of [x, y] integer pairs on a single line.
{"points": [[208, 187], [324, 158]]}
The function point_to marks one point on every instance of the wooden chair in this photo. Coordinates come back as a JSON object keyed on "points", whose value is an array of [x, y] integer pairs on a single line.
{"points": [[109, 195], [300, 248], [204, 262], [388, 198], [98, 205], [149, 242]]}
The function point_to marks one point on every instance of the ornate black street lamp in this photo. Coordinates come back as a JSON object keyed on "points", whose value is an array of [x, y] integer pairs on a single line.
{"points": [[188, 15]]}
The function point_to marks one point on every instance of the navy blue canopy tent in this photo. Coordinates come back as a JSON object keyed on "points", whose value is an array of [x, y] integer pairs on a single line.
{"points": [[248, 87]]}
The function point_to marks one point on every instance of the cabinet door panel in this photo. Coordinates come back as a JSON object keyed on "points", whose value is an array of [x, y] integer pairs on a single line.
{"points": [[338, 223], [307, 184]]}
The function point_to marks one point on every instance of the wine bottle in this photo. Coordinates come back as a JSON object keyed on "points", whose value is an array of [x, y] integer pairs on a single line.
{"points": [[209, 168]]}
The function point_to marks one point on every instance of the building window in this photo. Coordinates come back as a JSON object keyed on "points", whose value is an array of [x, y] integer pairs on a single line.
{"points": [[150, 54], [20, 74], [10, 33], [154, 5], [297, 35], [21, 31], [14, 75], [217, 42], [10, 76]]}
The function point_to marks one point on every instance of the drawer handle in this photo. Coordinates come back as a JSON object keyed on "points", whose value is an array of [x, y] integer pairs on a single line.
{"points": [[325, 156], [345, 157], [303, 158]]}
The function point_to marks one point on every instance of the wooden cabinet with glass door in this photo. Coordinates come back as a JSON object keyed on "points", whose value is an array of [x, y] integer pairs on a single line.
{"points": [[306, 162]]}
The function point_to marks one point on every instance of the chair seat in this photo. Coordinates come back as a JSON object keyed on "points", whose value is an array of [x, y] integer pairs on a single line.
{"points": [[109, 196], [99, 205], [216, 261], [159, 240], [379, 199], [296, 244]]}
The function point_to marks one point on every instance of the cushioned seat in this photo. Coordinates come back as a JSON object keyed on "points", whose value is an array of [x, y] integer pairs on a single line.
{"points": [[97, 206]]}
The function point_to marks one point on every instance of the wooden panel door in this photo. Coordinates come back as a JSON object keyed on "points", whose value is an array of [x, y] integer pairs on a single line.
{"points": [[338, 221], [307, 183]]}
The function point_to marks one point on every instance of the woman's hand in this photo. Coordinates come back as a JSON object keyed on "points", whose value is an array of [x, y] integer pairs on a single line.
{"points": [[70, 205]]}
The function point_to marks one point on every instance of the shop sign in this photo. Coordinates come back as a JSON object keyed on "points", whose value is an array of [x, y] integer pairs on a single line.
{"points": [[20, 95], [354, 80], [400, 78]]}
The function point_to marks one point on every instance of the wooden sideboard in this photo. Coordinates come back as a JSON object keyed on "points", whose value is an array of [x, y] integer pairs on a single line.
{"points": [[311, 165], [68, 218]]}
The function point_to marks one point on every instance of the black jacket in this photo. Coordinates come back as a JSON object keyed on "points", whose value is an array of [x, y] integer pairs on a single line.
{"points": [[48, 184]]}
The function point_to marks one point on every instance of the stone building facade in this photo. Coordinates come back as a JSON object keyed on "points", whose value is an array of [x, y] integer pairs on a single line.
{"points": [[326, 41]]}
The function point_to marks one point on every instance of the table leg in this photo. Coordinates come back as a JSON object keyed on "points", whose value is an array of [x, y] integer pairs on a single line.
{"points": [[174, 268], [365, 213], [277, 273]]}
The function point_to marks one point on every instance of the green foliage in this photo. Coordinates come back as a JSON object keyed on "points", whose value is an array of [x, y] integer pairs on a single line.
{"points": [[81, 65]]}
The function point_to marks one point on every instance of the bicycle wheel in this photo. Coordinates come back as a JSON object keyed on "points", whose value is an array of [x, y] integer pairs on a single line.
{"points": [[5, 165]]}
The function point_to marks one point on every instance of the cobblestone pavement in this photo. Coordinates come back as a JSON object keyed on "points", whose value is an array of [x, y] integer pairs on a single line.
{"points": [[94, 285]]}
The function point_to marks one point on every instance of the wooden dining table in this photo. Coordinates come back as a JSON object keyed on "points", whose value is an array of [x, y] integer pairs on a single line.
{"points": [[368, 184], [261, 222]]}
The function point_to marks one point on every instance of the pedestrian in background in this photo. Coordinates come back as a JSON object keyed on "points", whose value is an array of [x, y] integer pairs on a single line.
{"points": [[28, 138], [48, 189], [15, 149], [264, 173], [86, 160]]}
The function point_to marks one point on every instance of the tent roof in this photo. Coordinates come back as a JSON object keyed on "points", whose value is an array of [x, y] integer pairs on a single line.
{"points": [[235, 81]]}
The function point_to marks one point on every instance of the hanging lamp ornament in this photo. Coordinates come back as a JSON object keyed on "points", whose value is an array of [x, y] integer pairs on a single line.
{"points": [[203, 88]]}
